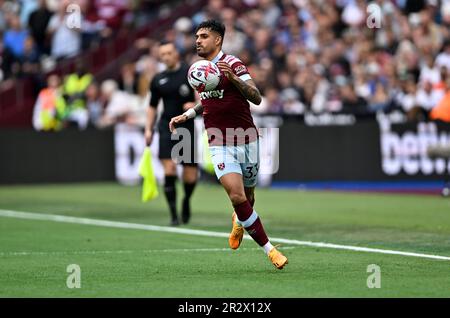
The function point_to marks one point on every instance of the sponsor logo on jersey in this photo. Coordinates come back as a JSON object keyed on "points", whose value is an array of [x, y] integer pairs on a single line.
{"points": [[212, 94], [221, 166], [184, 90], [240, 69], [163, 81]]}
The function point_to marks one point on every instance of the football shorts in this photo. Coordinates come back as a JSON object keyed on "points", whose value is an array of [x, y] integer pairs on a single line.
{"points": [[242, 159]]}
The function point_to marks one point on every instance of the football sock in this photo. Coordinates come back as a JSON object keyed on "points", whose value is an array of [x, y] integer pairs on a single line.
{"points": [[252, 201], [171, 195], [188, 190], [243, 210], [249, 219], [256, 231], [267, 247]]}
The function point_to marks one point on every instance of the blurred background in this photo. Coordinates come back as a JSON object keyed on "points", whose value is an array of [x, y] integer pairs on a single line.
{"points": [[355, 92]]}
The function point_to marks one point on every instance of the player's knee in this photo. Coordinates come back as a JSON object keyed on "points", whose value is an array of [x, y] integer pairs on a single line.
{"points": [[237, 198], [170, 169], [190, 174]]}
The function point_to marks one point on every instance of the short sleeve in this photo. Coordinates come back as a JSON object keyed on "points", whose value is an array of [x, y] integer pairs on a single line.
{"points": [[191, 96], [155, 94]]}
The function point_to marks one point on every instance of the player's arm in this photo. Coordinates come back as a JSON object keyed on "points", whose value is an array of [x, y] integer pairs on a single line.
{"points": [[149, 124], [189, 114], [247, 88], [152, 112], [194, 99]]}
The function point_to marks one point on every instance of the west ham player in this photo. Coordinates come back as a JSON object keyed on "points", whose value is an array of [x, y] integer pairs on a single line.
{"points": [[226, 112], [173, 88]]}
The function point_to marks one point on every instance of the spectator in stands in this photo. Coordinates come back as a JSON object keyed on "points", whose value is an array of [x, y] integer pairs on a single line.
{"points": [[2, 17], [74, 92], [380, 100], [309, 46], [129, 79], [427, 98], [94, 29], [65, 34], [412, 6], [234, 41], [443, 59], [273, 101], [38, 23], [29, 61], [49, 107], [271, 13], [76, 84], [112, 12], [14, 45], [182, 37], [147, 68], [441, 86], [94, 104], [291, 102], [407, 96], [351, 102], [121, 107], [445, 12], [442, 110], [429, 72], [26, 8], [354, 13], [211, 11], [53, 5], [10, 7]]}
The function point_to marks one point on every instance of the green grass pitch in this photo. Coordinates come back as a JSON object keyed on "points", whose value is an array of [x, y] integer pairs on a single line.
{"points": [[116, 262]]}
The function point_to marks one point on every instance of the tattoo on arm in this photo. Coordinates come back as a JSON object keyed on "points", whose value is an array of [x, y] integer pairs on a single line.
{"points": [[249, 90], [198, 109]]}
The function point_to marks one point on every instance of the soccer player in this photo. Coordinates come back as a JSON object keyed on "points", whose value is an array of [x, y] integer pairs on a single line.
{"points": [[172, 86], [235, 155]]}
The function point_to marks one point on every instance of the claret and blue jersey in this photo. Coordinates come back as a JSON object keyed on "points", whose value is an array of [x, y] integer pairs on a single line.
{"points": [[225, 107]]}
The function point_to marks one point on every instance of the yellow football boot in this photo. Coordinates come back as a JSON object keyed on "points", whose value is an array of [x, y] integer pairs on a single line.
{"points": [[236, 235], [277, 259]]}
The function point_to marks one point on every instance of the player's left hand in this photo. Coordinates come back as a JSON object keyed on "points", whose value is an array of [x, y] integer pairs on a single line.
{"points": [[226, 69], [175, 121]]}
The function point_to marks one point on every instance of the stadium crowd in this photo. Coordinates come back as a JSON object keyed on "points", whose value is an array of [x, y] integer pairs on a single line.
{"points": [[324, 56], [32, 29], [305, 55]]}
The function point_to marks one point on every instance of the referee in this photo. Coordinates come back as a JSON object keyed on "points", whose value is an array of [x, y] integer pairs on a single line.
{"points": [[172, 86]]}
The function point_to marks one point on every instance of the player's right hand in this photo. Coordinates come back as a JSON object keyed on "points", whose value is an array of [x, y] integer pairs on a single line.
{"points": [[148, 137], [176, 120]]}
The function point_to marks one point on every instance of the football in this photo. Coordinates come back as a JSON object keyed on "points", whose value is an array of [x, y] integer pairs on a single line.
{"points": [[203, 76]]}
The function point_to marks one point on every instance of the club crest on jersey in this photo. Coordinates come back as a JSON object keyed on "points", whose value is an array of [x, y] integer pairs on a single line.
{"points": [[212, 94], [221, 166], [240, 69]]}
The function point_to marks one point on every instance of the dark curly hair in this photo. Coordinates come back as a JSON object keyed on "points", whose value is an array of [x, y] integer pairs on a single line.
{"points": [[212, 25]]}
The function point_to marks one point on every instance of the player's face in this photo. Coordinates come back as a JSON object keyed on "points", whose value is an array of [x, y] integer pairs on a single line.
{"points": [[168, 55], [207, 42]]}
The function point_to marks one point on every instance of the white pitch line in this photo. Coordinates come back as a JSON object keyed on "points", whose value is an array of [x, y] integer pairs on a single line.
{"points": [[96, 252], [147, 227]]}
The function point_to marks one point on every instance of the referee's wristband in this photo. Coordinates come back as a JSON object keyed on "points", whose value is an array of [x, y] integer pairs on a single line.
{"points": [[190, 113]]}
